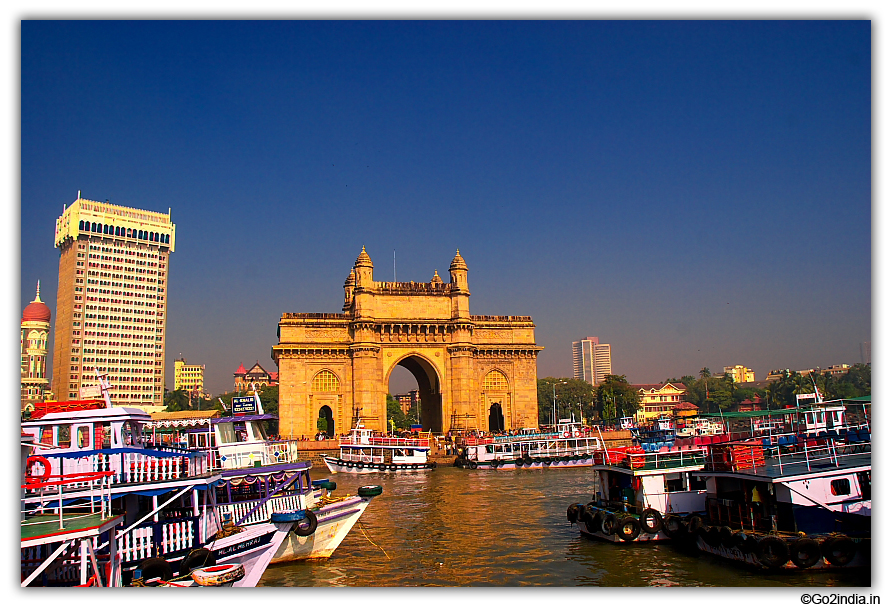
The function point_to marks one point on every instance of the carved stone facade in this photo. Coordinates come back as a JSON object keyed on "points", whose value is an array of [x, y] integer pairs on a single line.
{"points": [[473, 372]]}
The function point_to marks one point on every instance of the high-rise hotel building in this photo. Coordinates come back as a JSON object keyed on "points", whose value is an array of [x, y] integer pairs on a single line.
{"points": [[592, 360], [111, 304]]}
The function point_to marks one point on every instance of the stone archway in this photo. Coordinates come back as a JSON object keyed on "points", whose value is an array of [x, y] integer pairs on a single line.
{"points": [[430, 391], [496, 419], [325, 412]]}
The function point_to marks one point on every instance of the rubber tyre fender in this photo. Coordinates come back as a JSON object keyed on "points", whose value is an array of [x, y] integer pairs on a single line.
{"points": [[528, 460], [472, 465], [674, 527], [306, 526], [155, 567], [593, 519], [651, 521], [749, 546], [382, 467], [738, 540], [200, 557], [726, 536], [609, 523], [393, 466], [369, 490], [519, 462], [572, 511], [547, 462], [838, 550], [433, 465], [772, 552], [712, 537], [694, 524], [805, 552], [628, 528]]}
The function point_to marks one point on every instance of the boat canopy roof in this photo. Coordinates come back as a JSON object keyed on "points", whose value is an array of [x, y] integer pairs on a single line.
{"points": [[242, 418], [91, 415]]}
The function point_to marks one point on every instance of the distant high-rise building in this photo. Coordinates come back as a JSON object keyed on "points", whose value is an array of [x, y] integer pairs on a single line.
{"points": [[740, 374], [190, 378], [35, 330], [865, 352], [592, 360], [111, 302]]}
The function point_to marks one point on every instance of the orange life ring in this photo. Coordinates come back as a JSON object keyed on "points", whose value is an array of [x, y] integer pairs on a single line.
{"points": [[577, 434], [217, 575], [38, 459], [567, 435]]}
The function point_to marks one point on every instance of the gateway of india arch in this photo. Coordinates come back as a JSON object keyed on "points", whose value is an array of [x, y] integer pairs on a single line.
{"points": [[473, 372]]}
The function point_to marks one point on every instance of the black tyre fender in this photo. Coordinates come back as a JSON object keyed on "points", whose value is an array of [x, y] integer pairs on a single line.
{"points": [[369, 490], [838, 550], [528, 460], [609, 523], [628, 528], [750, 544], [433, 465], [805, 552], [726, 536], [572, 512], [651, 521], [712, 537], [772, 552], [694, 524], [472, 465], [200, 557], [673, 526], [547, 462], [593, 519], [393, 466], [382, 467], [738, 540], [519, 462], [155, 567], [306, 526]]}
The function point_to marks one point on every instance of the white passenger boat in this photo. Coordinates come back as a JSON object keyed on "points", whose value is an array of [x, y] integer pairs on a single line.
{"points": [[641, 496], [568, 446], [363, 452], [700, 426], [183, 508]]}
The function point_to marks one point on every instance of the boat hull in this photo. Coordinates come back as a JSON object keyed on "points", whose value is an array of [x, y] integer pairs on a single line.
{"points": [[597, 534], [334, 523], [336, 465], [582, 462], [861, 558]]}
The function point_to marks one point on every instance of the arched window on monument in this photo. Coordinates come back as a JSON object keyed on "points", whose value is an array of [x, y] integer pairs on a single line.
{"points": [[326, 381], [495, 380]]}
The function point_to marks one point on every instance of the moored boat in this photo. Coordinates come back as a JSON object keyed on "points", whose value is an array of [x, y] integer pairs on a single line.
{"points": [[363, 452], [641, 496], [569, 445]]}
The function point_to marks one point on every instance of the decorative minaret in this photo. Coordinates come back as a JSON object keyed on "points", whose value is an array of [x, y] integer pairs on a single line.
{"points": [[459, 289], [35, 330]]}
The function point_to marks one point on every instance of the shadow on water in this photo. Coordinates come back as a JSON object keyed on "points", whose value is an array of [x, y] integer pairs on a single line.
{"points": [[452, 527]]}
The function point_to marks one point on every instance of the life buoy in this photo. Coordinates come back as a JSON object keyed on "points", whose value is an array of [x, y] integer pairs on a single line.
{"points": [[805, 552], [577, 434], [38, 459], [154, 569], [651, 521], [772, 552], [628, 529], [218, 575], [838, 550], [200, 557], [609, 523], [566, 435]]}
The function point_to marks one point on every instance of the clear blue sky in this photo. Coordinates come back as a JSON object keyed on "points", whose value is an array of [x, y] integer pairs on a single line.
{"points": [[694, 193]]}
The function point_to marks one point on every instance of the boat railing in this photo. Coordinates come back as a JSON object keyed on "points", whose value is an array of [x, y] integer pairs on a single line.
{"points": [[385, 441], [362, 457], [660, 460], [248, 455], [129, 465], [817, 453], [162, 537], [91, 495], [267, 506]]}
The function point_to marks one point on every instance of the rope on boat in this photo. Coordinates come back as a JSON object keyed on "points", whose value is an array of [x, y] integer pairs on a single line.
{"points": [[363, 529]]}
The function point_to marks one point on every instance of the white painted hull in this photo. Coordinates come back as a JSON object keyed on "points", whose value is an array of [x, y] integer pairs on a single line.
{"points": [[253, 549], [336, 465], [334, 523], [660, 536]]}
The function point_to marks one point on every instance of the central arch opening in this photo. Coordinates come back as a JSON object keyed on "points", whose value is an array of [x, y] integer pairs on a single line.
{"points": [[429, 410]]}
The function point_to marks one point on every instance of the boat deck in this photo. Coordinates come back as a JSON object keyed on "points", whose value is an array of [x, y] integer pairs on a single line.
{"points": [[38, 529], [796, 465]]}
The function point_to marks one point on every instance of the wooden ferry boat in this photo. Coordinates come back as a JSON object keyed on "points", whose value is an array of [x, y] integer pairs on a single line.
{"points": [[803, 504], [569, 446], [362, 452], [641, 496]]}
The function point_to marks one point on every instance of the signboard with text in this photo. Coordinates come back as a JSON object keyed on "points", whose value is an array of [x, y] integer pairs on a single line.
{"points": [[244, 404]]}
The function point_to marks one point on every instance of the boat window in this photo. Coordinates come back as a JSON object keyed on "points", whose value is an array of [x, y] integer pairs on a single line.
{"points": [[864, 478], [127, 433], [64, 436], [83, 437], [226, 432], [674, 482], [260, 432], [696, 483], [46, 435], [840, 486]]}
